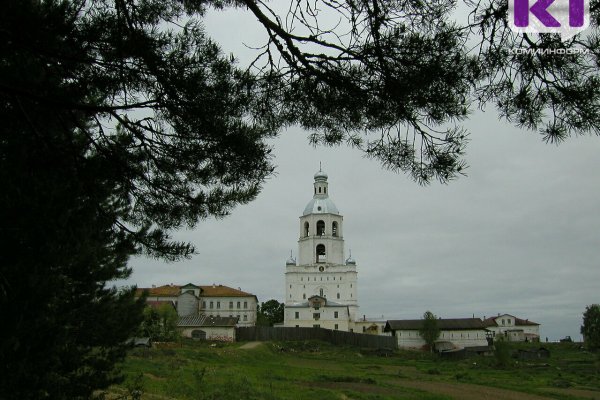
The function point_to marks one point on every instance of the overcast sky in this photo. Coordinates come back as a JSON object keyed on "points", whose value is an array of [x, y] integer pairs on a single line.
{"points": [[518, 235]]}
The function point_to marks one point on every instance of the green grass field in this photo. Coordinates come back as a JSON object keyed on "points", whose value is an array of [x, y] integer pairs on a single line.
{"points": [[311, 370]]}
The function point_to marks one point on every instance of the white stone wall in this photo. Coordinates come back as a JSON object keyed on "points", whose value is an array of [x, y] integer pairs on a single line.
{"points": [[459, 338], [216, 333], [304, 317], [228, 306], [304, 282], [187, 304]]}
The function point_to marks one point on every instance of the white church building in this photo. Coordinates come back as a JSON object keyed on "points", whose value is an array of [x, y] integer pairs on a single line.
{"points": [[321, 287]]}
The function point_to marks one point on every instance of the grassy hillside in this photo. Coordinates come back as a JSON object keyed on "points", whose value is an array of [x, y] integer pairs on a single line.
{"points": [[310, 370]]}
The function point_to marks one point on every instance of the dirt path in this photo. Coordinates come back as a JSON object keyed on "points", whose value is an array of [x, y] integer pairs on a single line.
{"points": [[585, 394], [465, 391], [458, 391], [250, 345]]}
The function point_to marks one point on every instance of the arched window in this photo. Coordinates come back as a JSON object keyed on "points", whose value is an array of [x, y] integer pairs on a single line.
{"points": [[198, 334], [306, 231], [334, 228], [321, 292], [320, 228], [319, 189], [321, 255]]}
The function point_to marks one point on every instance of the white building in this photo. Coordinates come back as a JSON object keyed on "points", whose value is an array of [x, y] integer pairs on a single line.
{"points": [[321, 287], [211, 301], [455, 333], [202, 327], [512, 328]]}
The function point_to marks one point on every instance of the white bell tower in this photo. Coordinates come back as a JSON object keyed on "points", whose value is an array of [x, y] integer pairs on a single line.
{"points": [[321, 272]]}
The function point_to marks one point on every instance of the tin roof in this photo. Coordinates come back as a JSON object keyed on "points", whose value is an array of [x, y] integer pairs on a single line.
{"points": [[202, 320], [443, 324]]}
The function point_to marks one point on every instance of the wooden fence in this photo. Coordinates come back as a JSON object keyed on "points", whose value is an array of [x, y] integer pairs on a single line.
{"points": [[265, 333]]}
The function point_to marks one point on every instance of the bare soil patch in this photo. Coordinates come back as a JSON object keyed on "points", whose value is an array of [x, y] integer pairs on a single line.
{"points": [[154, 377], [250, 345]]}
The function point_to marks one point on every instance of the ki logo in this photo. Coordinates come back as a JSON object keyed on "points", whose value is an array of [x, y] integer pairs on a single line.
{"points": [[566, 17]]}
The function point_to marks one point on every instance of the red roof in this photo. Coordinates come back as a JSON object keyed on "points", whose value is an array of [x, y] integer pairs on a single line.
{"points": [[205, 291]]}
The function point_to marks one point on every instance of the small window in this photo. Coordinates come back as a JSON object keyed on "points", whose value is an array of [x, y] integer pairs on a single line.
{"points": [[290, 286], [321, 292], [336, 327], [335, 315], [316, 315], [245, 305], [297, 326], [334, 228], [297, 315], [321, 254], [245, 318], [306, 230], [319, 189], [218, 304], [231, 304], [316, 326], [238, 304], [303, 295], [338, 295], [204, 304], [211, 305], [364, 328]]}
